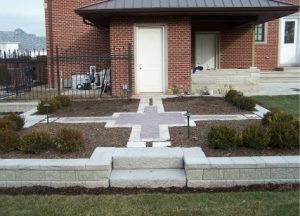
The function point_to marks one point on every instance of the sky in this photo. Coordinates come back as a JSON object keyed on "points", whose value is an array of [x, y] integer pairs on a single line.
{"points": [[28, 15]]}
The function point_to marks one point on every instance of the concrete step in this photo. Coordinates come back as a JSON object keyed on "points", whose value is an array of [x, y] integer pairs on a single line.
{"points": [[287, 69], [148, 178], [148, 158], [280, 80]]}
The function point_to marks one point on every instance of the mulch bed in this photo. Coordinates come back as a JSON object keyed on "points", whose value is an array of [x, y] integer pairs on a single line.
{"points": [[39, 190], [97, 108], [199, 134], [203, 105], [95, 135]]}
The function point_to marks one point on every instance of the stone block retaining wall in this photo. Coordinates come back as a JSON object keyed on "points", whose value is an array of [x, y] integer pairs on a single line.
{"points": [[232, 171], [89, 173], [222, 80], [201, 171]]}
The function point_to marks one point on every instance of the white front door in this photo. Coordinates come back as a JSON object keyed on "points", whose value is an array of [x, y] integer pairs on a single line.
{"points": [[289, 42], [149, 59], [206, 46]]}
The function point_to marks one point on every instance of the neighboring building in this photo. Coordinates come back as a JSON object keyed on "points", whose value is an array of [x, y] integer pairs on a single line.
{"points": [[25, 41], [170, 38], [7, 46]]}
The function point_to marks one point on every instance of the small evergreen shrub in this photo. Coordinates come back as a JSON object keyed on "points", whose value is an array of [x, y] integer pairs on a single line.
{"points": [[9, 140], [6, 123], [277, 116], [17, 119], [36, 141], [68, 139], [222, 137], [246, 103], [230, 95], [63, 100], [255, 136], [53, 106], [284, 134]]}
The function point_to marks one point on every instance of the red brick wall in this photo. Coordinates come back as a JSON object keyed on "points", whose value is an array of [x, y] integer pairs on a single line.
{"points": [[72, 35], [235, 43], [179, 48], [266, 54]]}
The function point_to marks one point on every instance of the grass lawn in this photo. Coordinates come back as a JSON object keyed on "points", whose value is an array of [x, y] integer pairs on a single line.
{"points": [[234, 203], [287, 103]]}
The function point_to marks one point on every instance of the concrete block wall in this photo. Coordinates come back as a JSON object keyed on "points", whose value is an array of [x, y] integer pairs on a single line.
{"points": [[239, 171], [199, 170], [220, 81], [89, 173]]}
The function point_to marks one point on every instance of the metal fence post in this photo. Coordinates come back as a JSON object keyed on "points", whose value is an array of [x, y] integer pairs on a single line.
{"points": [[57, 71], [130, 68], [6, 72]]}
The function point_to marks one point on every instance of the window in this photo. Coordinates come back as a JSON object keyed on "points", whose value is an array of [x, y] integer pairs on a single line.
{"points": [[260, 33], [289, 32]]}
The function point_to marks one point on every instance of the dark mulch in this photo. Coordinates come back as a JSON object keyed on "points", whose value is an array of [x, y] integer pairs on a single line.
{"points": [[39, 190], [98, 108], [199, 134], [95, 135], [203, 105]]}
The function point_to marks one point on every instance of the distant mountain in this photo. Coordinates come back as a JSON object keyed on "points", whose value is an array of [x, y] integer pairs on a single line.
{"points": [[26, 41]]}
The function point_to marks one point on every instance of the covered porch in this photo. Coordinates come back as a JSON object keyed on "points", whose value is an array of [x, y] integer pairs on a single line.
{"points": [[171, 38]]}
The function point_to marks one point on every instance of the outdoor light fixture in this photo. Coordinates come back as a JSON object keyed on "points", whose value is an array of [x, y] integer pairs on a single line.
{"points": [[188, 114], [239, 94], [47, 105]]}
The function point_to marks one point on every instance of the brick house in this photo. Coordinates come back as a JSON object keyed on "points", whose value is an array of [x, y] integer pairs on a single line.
{"points": [[228, 39]]}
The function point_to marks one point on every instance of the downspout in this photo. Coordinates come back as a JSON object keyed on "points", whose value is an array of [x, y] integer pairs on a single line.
{"points": [[253, 45], [50, 31]]}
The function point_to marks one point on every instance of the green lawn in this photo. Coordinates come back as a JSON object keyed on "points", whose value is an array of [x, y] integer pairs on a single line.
{"points": [[235, 203], [287, 103]]}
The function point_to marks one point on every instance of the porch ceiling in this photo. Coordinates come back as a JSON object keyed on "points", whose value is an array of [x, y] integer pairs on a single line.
{"points": [[99, 13]]}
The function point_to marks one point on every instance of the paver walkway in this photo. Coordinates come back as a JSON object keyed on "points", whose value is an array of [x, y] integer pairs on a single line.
{"points": [[150, 123], [149, 126]]}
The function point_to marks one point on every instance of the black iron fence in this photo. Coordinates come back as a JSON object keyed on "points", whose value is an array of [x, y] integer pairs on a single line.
{"points": [[76, 73]]}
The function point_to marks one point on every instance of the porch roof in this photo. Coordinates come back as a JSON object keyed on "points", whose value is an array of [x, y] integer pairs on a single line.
{"points": [[99, 13]]}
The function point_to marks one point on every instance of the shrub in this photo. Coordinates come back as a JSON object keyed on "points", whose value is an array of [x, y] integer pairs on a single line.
{"points": [[53, 106], [277, 116], [246, 103], [68, 139], [284, 134], [230, 95], [36, 141], [255, 136], [6, 123], [222, 137], [17, 119], [63, 100], [9, 140]]}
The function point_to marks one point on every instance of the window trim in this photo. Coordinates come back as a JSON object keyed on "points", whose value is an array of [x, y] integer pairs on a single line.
{"points": [[265, 41]]}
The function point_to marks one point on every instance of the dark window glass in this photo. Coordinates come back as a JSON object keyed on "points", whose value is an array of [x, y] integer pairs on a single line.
{"points": [[260, 33], [289, 32]]}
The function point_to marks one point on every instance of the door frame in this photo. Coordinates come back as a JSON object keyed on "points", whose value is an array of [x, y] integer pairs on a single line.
{"points": [[218, 46], [163, 26], [280, 37]]}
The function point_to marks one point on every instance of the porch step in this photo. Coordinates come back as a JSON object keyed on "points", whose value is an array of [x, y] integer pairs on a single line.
{"points": [[148, 158], [287, 69], [280, 77], [148, 178]]}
